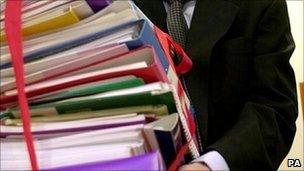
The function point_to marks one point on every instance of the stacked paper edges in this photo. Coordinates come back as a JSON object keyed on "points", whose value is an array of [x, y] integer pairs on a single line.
{"points": [[102, 93]]}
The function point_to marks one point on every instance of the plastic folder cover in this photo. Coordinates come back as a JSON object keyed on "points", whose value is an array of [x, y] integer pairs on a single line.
{"points": [[150, 161]]}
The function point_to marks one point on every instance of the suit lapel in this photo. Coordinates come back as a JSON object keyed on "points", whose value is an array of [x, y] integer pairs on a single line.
{"points": [[211, 20]]}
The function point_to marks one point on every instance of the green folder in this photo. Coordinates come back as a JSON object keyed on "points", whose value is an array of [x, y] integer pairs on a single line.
{"points": [[158, 110], [93, 88], [150, 94]]}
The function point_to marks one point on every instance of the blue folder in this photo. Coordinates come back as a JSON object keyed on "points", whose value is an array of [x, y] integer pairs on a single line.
{"points": [[145, 36]]}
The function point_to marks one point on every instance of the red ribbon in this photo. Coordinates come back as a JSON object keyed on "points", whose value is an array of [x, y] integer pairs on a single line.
{"points": [[183, 67], [168, 44], [185, 64], [183, 151], [14, 39]]}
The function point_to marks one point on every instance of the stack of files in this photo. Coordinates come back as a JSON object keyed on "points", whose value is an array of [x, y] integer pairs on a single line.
{"points": [[97, 85], [47, 15], [141, 63], [82, 148], [97, 140]]}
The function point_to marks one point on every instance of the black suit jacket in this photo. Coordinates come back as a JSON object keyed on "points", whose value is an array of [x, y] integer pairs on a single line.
{"points": [[241, 84]]}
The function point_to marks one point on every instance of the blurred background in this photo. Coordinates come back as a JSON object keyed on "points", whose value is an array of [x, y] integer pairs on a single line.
{"points": [[295, 8]]}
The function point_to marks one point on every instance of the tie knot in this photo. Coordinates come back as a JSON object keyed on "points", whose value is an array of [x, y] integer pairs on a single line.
{"points": [[179, 1]]}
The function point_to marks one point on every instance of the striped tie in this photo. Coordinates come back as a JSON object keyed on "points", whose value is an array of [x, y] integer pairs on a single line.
{"points": [[176, 22]]}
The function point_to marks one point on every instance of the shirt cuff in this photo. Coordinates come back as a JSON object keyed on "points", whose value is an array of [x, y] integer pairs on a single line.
{"points": [[213, 160]]}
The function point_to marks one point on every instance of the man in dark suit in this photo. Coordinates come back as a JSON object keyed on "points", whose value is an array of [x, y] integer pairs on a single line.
{"points": [[241, 84]]}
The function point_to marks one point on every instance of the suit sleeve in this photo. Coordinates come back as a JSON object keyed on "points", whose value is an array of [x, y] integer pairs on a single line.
{"points": [[265, 129]]}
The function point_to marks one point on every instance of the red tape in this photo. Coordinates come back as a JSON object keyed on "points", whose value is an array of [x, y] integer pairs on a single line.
{"points": [[186, 64], [168, 44], [183, 151], [14, 39], [183, 67]]}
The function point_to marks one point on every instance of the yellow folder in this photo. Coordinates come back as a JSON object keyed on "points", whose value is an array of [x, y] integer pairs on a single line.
{"points": [[47, 23]]}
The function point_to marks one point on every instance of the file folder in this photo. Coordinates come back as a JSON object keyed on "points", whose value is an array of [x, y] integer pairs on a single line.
{"points": [[150, 161]]}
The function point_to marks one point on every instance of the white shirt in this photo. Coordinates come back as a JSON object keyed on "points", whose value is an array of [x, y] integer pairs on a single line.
{"points": [[213, 159]]}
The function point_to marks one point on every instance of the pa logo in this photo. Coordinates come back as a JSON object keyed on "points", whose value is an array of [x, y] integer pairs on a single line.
{"points": [[294, 163]]}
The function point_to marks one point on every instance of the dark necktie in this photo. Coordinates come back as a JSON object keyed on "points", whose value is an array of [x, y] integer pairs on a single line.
{"points": [[176, 22]]}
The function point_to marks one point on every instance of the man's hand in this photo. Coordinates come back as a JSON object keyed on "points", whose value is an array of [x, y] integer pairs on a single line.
{"points": [[194, 166]]}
